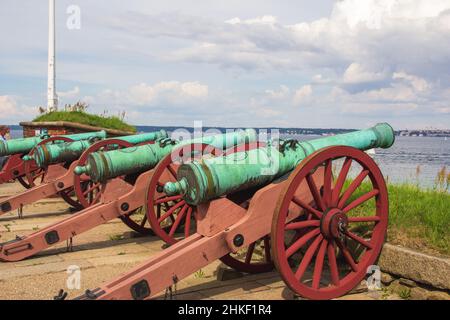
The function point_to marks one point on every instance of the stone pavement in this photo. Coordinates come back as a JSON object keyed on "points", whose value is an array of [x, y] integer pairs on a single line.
{"points": [[102, 257]]}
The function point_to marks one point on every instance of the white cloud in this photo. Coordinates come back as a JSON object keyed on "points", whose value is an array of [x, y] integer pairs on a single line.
{"points": [[365, 40], [8, 106], [70, 93], [302, 94], [267, 20], [376, 14], [12, 110], [167, 93], [444, 110], [321, 79], [418, 83], [280, 93], [173, 91], [357, 73]]}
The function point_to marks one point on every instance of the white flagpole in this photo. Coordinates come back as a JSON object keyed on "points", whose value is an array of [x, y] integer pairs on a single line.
{"points": [[52, 99]]}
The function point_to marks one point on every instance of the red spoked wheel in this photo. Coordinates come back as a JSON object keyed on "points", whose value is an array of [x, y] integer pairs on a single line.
{"points": [[33, 173], [256, 258], [137, 219], [87, 191], [326, 253], [167, 213]]}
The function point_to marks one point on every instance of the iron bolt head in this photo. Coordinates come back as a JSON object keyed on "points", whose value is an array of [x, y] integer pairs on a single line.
{"points": [[125, 206], [238, 240]]}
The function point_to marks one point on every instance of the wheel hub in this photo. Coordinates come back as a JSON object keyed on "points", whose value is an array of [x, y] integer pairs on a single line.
{"points": [[334, 223]]}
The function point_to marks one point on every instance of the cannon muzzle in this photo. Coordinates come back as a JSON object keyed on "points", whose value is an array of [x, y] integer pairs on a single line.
{"points": [[212, 178]]}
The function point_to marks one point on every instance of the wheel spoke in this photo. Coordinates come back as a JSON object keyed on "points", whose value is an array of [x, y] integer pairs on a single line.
{"points": [[158, 211], [267, 248], [144, 220], [307, 207], [187, 224], [168, 199], [296, 236], [361, 200], [96, 198], [43, 176], [306, 260], [315, 192], [171, 211], [318, 266], [327, 181], [92, 188], [302, 224], [332, 263], [172, 171], [301, 242], [177, 221], [40, 173], [347, 255], [250, 250], [359, 239], [341, 180], [353, 186], [364, 219]]}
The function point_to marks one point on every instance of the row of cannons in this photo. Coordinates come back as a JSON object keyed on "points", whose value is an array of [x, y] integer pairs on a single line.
{"points": [[301, 208]]}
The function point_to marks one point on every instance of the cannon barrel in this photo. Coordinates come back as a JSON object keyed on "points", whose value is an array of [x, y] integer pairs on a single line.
{"points": [[24, 145], [102, 166], [70, 151], [214, 177]]}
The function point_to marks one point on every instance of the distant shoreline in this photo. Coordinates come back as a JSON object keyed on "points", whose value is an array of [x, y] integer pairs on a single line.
{"points": [[303, 131]]}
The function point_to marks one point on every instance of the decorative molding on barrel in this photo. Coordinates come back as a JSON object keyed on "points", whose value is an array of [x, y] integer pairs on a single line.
{"points": [[65, 127]]}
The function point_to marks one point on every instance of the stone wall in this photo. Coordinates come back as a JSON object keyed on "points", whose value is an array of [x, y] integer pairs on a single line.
{"points": [[53, 131]]}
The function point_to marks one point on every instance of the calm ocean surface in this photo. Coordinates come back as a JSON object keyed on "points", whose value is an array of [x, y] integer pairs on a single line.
{"points": [[400, 162]]}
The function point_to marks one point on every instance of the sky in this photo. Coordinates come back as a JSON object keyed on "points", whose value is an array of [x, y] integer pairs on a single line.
{"points": [[246, 63]]}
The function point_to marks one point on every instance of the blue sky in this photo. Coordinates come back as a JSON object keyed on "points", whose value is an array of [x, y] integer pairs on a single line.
{"points": [[247, 63]]}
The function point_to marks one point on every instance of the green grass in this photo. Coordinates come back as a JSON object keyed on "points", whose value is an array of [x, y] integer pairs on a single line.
{"points": [[405, 294], [418, 218], [199, 274], [86, 118]]}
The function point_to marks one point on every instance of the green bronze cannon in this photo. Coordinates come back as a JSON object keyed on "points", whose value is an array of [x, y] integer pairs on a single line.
{"points": [[58, 161], [45, 155], [200, 182], [26, 172], [24, 145], [317, 211], [102, 166], [120, 192]]}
